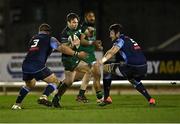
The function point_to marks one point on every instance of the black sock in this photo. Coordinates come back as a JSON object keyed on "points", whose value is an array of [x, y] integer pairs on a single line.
{"points": [[81, 92], [106, 86], [49, 89], [99, 94], [61, 90], [143, 91], [22, 93]]}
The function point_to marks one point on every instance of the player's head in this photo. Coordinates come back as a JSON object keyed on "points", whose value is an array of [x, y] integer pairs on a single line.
{"points": [[44, 27], [89, 17], [72, 20], [115, 31]]}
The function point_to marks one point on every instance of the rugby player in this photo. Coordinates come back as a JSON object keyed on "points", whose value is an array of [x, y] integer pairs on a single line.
{"points": [[73, 66], [90, 44], [133, 67], [34, 66]]}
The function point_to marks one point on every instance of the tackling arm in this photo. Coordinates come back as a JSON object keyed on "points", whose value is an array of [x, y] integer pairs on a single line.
{"points": [[68, 51], [55, 44], [110, 53]]}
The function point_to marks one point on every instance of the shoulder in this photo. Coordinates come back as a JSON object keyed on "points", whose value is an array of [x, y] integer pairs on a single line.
{"points": [[64, 31], [54, 39], [119, 42], [34, 36], [83, 27], [64, 34]]}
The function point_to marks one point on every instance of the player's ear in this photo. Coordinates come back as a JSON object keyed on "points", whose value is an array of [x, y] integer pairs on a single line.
{"points": [[117, 34], [68, 23]]}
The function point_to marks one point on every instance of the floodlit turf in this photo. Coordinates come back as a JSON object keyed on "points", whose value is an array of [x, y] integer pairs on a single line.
{"points": [[125, 108]]}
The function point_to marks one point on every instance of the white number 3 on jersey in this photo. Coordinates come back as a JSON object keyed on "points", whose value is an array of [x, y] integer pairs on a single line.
{"points": [[35, 43]]}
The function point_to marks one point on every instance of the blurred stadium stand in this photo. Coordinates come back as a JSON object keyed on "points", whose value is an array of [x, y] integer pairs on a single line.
{"points": [[149, 22]]}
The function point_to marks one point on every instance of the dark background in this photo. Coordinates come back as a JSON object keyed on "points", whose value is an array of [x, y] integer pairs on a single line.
{"points": [[149, 22]]}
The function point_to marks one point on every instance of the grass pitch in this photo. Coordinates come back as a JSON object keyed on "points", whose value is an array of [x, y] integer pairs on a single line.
{"points": [[125, 108]]}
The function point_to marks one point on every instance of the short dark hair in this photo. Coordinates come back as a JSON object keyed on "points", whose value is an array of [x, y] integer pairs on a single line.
{"points": [[72, 16], [116, 28], [88, 11], [45, 27]]}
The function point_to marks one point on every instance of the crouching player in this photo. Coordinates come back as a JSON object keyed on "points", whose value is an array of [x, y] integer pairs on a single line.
{"points": [[34, 66], [133, 68]]}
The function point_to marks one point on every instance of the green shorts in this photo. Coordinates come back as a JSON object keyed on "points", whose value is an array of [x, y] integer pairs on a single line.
{"points": [[70, 63]]}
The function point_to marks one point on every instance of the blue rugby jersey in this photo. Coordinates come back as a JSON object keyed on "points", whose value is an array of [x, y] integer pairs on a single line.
{"points": [[39, 48], [130, 51]]}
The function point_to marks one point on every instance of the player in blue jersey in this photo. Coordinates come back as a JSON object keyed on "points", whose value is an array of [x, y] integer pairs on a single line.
{"points": [[133, 67], [34, 66]]}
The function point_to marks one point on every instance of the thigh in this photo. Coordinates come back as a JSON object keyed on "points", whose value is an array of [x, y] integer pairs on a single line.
{"points": [[126, 71], [83, 67], [69, 77], [133, 72], [140, 72], [27, 76], [96, 71], [41, 75], [96, 68], [79, 76]]}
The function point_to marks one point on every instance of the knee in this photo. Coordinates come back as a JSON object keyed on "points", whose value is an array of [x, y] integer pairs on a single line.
{"points": [[68, 82], [96, 70], [54, 79], [30, 84], [51, 79]]}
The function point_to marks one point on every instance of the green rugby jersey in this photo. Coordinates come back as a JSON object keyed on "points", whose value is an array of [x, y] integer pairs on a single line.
{"points": [[89, 49], [69, 62]]}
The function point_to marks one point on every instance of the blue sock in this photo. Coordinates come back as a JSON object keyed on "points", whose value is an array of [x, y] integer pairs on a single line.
{"points": [[107, 79], [139, 87], [22, 93], [106, 86], [49, 89]]}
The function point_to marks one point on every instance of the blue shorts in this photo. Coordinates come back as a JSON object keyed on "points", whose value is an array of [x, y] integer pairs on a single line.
{"points": [[40, 75], [129, 72], [133, 72]]}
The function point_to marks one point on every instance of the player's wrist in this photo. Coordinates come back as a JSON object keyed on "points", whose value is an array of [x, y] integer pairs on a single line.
{"points": [[90, 42], [76, 53], [104, 59]]}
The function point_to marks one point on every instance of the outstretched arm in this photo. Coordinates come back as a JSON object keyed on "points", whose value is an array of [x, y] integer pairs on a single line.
{"points": [[68, 51], [65, 50], [109, 54], [55, 44]]}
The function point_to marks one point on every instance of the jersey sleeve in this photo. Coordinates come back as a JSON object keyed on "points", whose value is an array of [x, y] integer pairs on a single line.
{"points": [[54, 43], [83, 28], [119, 43]]}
